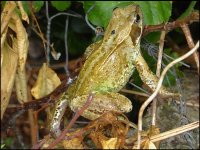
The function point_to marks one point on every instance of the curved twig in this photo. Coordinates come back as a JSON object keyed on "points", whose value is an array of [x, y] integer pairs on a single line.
{"points": [[146, 103]]}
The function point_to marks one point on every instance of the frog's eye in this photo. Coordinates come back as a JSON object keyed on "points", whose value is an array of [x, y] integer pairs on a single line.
{"points": [[137, 20]]}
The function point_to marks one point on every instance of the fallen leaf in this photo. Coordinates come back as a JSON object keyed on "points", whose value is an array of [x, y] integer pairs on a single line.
{"points": [[22, 40], [46, 82], [109, 144], [148, 145], [8, 71]]}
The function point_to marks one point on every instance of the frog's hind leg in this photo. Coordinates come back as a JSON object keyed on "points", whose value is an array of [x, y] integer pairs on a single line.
{"points": [[57, 115], [149, 78], [101, 103]]}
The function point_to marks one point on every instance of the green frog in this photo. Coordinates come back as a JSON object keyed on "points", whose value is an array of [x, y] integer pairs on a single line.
{"points": [[109, 64]]}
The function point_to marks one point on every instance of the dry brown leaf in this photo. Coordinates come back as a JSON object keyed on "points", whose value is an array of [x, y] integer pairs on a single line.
{"points": [[22, 41], [22, 45], [8, 70], [148, 145], [74, 143], [154, 131], [21, 85], [3, 38], [46, 82], [6, 14], [109, 144]]}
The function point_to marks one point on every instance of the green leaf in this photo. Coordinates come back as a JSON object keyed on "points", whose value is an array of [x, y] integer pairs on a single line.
{"points": [[188, 10], [61, 5], [37, 5], [155, 12], [101, 13], [153, 37]]}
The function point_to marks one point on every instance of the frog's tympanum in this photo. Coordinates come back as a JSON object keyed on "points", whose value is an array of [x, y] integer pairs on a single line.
{"points": [[109, 64]]}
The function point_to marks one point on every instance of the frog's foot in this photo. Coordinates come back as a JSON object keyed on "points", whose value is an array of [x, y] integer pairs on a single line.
{"points": [[101, 104], [57, 116]]}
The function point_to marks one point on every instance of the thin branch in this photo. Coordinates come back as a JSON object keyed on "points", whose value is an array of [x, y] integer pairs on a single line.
{"points": [[66, 46], [193, 17], [145, 104], [170, 133], [190, 42], [141, 89], [174, 132], [49, 19], [40, 34], [78, 113], [159, 64], [134, 92]]}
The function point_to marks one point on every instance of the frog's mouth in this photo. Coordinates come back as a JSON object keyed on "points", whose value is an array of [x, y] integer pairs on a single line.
{"points": [[135, 34]]}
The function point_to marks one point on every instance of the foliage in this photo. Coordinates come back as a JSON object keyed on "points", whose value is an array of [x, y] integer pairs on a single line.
{"points": [[79, 37], [61, 5], [154, 12], [37, 5]]}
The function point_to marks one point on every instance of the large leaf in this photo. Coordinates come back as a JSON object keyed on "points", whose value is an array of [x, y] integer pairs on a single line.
{"points": [[101, 13], [154, 12], [61, 5]]}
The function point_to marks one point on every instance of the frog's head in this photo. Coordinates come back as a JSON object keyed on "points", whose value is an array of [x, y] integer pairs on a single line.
{"points": [[124, 22]]}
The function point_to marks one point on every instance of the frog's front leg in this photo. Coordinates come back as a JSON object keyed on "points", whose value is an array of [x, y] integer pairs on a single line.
{"points": [[58, 114], [148, 77], [101, 103]]}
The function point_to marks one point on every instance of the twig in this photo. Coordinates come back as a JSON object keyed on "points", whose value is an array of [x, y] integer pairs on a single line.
{"points": [[159, 64], [190, 42], [145, 104], [141, 89], [134, 92], [86, 18], [49, 19], [38, 145], [62, 136], [193, 17], [66, 46], [170, 133], [174, 132], [40, 34], [188, 103], [32, 122]]}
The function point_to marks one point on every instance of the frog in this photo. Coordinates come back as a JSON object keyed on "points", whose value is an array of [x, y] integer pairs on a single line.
{"points": [[109, 65]]}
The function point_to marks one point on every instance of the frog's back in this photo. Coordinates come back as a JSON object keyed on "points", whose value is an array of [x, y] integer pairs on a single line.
{"points": [[101, 73]]}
